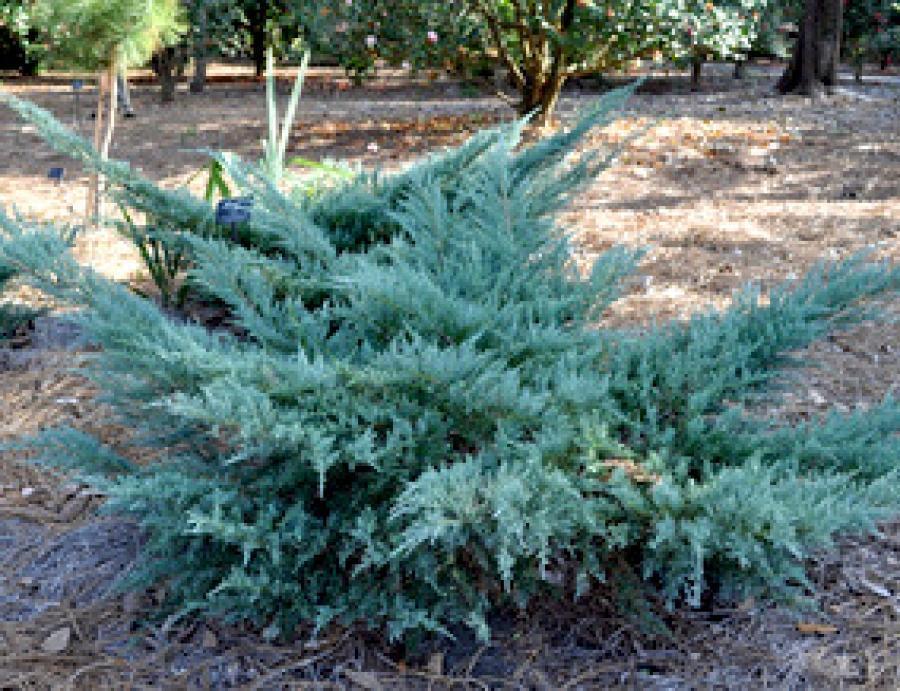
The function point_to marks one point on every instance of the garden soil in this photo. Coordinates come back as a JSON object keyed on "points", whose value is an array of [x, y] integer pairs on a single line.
{"points": [[723, 187]]}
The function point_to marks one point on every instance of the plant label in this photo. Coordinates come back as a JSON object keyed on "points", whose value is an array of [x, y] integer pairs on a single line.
{"points": [[233, 211]]}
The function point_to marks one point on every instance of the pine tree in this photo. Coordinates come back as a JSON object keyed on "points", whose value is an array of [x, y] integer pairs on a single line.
{"points": [[413, 416], [105, 36]]}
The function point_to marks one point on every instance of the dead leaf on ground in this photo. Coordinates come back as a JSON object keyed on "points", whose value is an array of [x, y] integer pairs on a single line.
{"points": [[817, 629]]}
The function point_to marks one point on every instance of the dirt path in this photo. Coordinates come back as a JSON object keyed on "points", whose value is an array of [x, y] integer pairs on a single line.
{"points": [[726, 186]]}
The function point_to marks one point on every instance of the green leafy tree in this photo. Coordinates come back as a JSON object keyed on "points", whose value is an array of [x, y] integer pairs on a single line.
{"points": [[106, 36], [772, 38], [539, 44], [401, 32], [412, 415], [20, 48], [211, 25], [871, 31], [694, 31]]}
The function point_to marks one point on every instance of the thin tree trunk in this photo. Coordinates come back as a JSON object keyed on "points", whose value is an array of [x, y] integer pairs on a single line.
{"points": [[92, 210], [739, 69], [548, 101], [112, 75], [198, 83], [696, 68], [166, 68], [258, 34], [113, 86]]}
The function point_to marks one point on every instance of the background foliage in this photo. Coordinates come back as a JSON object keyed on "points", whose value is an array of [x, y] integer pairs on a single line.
{"points": [[872, 30], [20, 47], [85, 33]]}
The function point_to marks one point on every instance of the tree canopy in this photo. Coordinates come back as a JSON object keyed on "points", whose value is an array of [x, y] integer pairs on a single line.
{"points": [[86, 33]]}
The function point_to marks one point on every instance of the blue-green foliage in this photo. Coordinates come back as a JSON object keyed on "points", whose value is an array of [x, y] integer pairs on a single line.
{"points": [[415, 415], [12, 314]]}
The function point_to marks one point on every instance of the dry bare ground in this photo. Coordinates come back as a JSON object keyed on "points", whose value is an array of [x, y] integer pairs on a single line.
{"points": [[726, 186]]}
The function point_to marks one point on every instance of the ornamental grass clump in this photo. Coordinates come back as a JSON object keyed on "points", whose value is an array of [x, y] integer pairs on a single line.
{"points": [[416, 414]]}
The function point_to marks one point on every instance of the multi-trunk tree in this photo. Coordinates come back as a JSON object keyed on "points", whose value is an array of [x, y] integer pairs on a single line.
{"points": [[540, 45]]}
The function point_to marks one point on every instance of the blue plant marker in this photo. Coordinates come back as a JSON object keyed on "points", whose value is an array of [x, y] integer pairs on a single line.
{"points": [[231, 212], [78, 84], [57, 175]]}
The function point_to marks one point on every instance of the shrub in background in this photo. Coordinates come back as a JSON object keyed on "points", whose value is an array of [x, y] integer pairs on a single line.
{"points": [[415, 416], [20, 48], [871, 32]]}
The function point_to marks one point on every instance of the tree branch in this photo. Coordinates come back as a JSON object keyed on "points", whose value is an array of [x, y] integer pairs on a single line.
{"points": [[494, 27]]}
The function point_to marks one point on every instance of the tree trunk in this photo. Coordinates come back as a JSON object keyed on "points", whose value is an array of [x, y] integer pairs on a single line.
{"points": [[112, 76], [107, 86], [258, 34], [696, 68], [166, 68], [739, 69], [545, 71], [198, 83], [814, 65], [540, 97], [92, 205]]}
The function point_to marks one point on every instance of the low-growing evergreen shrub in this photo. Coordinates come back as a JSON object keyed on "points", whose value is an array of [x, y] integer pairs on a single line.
{"points": [[418, 414]]}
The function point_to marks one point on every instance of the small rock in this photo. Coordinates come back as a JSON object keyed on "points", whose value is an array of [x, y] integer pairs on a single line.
{"points": [[365, 680], [74, 508], [209, 640], [131, 603], [57, 641], [436, 664]]}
